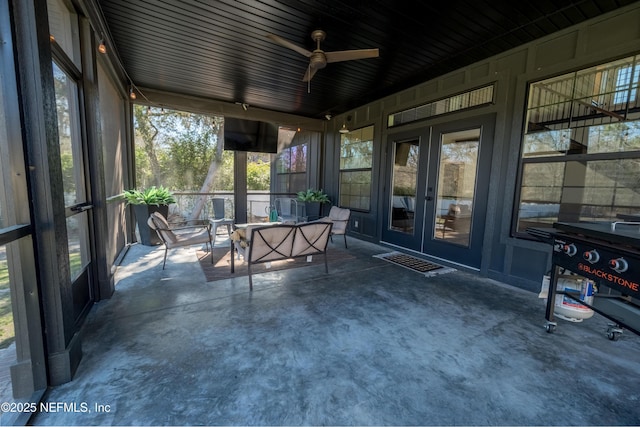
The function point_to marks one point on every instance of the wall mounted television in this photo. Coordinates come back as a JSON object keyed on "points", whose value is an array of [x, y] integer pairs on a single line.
{"points": [[250, 135]]}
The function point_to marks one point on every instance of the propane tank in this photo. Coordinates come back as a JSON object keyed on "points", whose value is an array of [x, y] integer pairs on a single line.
{"points": [[567, 308]]}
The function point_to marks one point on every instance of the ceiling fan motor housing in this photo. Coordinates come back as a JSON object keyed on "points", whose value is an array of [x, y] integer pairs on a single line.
{"points": [[318, 60]]}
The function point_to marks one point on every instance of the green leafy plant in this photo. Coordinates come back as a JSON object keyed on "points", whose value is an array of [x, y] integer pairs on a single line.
{"points": [[311, 195], [155, 196]]}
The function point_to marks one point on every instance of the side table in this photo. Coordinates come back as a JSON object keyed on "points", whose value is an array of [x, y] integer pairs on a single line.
{"points": [[215, 223]]}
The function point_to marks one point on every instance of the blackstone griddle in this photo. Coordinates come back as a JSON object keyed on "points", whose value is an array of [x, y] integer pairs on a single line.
{"points": [[607, 253]]}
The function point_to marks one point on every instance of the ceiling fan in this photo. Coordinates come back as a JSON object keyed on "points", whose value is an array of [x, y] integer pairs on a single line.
{"points": [[319, 59]]}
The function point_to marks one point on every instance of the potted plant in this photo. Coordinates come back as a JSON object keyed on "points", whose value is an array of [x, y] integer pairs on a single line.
{"points": [[145, 202], [313, 201]]}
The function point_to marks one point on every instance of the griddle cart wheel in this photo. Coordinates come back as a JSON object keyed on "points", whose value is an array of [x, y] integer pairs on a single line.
{"points": [[550, 327], [613, 332]]}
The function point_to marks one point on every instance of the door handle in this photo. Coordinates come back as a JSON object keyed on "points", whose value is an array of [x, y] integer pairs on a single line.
{"points": [[81, 207]]}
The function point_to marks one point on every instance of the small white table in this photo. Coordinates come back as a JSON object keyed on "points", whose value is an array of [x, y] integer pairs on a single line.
{"points": [[215, 223]]}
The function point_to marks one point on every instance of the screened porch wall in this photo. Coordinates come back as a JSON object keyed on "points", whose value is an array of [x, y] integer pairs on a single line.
{"points": [[116, 161]]}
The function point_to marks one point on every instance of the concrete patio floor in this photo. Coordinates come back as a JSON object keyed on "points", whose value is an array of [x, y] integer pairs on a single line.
{"points": [[371, 343]]}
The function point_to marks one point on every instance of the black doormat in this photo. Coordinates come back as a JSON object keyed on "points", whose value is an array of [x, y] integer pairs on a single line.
{"points": [[416, 264]]}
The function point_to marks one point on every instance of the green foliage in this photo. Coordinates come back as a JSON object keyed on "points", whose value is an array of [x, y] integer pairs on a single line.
{"points": [[190, 154], [224, 175], [258, 175], [177, 149], [155, 196], [68, 179], [404, 191], [7, 332], [311, 195]]}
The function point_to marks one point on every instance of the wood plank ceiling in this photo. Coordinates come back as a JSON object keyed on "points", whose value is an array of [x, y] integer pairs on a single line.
{"points": [[218, 49]]}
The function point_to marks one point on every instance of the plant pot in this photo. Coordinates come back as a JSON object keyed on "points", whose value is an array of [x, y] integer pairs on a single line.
{"points": [[312, 210], [148, 237]]}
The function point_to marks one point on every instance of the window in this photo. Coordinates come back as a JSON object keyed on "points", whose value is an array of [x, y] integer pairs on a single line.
{"points": [[63, 24], [457, 178], [68, 110], [356, 161], [291, 165], [581, 147], [463, 101], [625, 91]]}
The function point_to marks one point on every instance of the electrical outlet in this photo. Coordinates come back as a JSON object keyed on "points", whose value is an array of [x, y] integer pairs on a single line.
{"points": [[355, 224]]}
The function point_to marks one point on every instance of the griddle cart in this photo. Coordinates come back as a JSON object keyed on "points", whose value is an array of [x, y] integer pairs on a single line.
{"points": [[608, 253]]}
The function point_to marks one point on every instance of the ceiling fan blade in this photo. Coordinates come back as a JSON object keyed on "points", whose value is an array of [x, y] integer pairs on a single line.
{"points": [[311, 71], [348, 55], [288, 44]]}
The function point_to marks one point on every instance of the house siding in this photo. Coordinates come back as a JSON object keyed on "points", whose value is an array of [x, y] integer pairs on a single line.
{"points": [[603, 39]]}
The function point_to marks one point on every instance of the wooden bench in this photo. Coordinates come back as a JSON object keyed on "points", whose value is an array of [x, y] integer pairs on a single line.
{"points": [[287, 241]]}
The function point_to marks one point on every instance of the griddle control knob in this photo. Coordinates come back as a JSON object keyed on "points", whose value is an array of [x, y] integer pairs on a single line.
{"points": [[619, 264], [570, 249], [592, 256]]}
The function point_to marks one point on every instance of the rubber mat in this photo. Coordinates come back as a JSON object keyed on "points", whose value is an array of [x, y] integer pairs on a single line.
{"points": [[413, 263]]}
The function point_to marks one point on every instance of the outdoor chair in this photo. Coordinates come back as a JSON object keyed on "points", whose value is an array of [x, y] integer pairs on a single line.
{"points": [[340, 219], [289, 210], [458, 218], [179, 236], [219, 216], [285, 241]]}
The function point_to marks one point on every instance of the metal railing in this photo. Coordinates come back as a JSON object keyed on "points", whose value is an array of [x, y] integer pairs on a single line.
{"points": [[259, 204]]}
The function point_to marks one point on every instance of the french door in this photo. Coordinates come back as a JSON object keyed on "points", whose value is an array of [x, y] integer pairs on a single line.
{"points": [[403, 218], [437, 190], [77, 201]]}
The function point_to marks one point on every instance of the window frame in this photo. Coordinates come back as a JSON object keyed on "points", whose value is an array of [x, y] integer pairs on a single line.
{"points": [[566, 125], [342, 171], [287, 174], [28, 373]]}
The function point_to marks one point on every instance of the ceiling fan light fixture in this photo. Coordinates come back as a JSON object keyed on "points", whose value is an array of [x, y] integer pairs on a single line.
{"points": [[102, 48], [344, 129], [132, 93]]}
